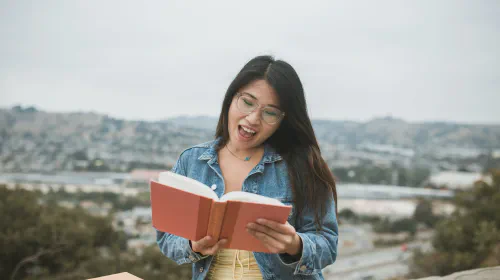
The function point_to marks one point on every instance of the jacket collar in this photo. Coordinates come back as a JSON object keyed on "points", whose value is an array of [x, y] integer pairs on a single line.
{"points": [[270, 155]]}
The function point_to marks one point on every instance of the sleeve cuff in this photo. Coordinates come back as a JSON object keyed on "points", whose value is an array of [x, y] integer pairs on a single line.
{"points": [[192, 256], [290, 260], [301, 266]]}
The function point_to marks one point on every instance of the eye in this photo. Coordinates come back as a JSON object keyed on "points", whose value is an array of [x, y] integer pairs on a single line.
{"points": [[247, 102], [271, 113]]}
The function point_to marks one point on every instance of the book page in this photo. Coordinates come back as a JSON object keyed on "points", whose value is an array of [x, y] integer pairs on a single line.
{"points": [[186, 184], [249, 197]]}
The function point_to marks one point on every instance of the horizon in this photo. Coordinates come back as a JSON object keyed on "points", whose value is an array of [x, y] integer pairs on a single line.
{"points": [[24, 107]]}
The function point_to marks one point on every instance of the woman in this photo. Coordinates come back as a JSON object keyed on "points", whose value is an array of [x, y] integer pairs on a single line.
{"points": [[265, 144]]}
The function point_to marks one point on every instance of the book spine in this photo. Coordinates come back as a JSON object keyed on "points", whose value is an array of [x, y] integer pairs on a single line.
{"points": [[202, 225], [228, 227], [217, 212]]}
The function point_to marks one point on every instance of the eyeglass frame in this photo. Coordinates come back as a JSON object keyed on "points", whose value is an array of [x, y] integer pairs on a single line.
{"points": [[259, 106]]}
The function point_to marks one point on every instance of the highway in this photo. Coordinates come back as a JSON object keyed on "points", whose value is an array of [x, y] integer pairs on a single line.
{"points": [[375, 264]]}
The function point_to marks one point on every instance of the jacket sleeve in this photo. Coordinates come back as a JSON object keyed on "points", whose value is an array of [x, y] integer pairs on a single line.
{"points": [[174, 247], [319, 248]]}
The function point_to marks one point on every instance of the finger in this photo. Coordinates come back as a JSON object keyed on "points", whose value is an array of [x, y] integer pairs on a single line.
{"points": [[282, 232], [275, 246], [269, 231], [213, 250], [221, 243], [284, 239], [267, 239], [202, 244], [285, 228], [206, 241]]}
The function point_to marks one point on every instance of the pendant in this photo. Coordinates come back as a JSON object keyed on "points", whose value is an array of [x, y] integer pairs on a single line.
{"points": [[247, 158]]}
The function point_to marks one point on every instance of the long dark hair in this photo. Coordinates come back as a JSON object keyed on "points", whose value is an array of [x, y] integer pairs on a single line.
{"points": [[312, 181]]}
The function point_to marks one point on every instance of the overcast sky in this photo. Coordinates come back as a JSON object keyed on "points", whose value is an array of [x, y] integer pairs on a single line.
{"points": [[416, 60]]}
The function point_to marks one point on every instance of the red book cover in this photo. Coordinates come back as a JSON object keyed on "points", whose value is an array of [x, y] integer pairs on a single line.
{"points": [[239, 214], [190, 209]]}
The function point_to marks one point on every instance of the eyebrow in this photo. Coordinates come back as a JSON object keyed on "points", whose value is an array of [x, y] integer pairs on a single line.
{"points": [[253, 96]]}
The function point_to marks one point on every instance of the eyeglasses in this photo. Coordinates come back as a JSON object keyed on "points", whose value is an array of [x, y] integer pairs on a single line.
{"points": [[247, 104]]}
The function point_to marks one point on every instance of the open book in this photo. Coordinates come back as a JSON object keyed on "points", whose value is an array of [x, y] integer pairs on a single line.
{"points": [[185, 207], [118, 276]]}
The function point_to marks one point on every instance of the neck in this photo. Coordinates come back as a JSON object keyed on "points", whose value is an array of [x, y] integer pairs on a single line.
{"points": [[240, 150], [243, 152]]}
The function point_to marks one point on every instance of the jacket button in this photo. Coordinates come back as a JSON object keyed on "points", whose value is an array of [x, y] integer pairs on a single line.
{"points": [[201, 269], [303, 268]]}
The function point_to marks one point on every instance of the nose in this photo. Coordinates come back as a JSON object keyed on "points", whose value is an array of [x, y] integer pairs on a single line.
{"points": [[254, 117]]}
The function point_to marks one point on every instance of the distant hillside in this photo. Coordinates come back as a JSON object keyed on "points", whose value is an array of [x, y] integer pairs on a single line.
{"points": [[200, 122], [387, 131], [400, 133], [33, 140], [89, 125], [43, 141]]}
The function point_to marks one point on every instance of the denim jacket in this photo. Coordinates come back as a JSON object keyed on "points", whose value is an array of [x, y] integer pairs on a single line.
{"points": [[268, 178]]}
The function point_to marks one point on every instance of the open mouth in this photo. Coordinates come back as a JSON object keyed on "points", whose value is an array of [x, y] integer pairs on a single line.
{"points": [[245, 132]]}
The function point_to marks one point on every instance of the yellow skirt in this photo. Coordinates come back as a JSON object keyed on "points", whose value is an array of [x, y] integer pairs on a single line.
{"points": [[234, 264]]}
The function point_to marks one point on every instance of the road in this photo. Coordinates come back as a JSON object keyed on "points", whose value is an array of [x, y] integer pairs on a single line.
{"points": [[377, 264]]}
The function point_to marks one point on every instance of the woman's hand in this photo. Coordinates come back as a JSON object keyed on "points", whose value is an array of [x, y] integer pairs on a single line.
{"points": [[207, 245], [278, 238]]}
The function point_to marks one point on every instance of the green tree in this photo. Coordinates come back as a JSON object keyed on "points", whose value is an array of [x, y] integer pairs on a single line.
{"points": [[470, 238], [80, 155], [44, 241], [155, 266], [424, 214], [405, 224], [347, 214], [400, 225], [98, 165], [47, 239]]}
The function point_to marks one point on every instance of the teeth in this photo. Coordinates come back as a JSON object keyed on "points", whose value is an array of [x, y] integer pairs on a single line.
{"points": [[248, 130]]}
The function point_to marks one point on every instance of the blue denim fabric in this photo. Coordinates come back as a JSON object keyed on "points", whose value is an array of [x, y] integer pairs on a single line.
{"points": [[268, 178]]}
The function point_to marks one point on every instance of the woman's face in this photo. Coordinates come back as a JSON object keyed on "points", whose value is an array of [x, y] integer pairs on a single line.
{"points": [[249, 130]]}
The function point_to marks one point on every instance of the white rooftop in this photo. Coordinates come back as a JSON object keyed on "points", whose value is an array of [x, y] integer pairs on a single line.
{"points": [[455, 179]]}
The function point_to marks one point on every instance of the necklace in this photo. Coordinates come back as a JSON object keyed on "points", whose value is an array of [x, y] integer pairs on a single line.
{"points": [[245, 159]]}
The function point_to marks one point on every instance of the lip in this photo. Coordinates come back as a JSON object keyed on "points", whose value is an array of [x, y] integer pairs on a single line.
{"points": [[243, 139], [248, 127]]}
